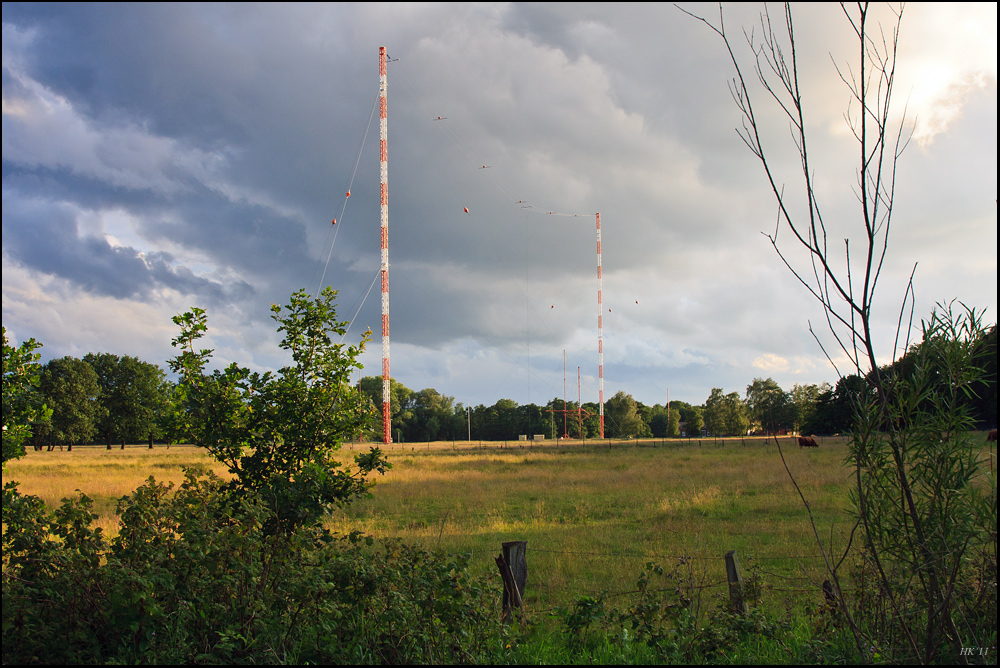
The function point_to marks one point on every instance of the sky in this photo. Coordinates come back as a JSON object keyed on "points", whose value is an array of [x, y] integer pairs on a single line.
{"points": [[162, 156]]}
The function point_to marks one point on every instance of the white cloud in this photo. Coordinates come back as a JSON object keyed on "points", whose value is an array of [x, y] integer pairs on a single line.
{"points": [[947, 51], [70, 321], [42, 129]]}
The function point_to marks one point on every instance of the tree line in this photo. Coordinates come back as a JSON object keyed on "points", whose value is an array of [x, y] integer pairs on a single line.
{"points": [[118, 399], [765, 407], [115, 399]]}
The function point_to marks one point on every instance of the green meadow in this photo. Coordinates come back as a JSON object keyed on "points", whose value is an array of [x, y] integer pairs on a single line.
{"points": [[593, 515]]}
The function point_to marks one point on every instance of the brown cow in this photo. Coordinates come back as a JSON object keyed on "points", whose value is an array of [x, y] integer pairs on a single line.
{"points": [[991, 437], [807, 442]]}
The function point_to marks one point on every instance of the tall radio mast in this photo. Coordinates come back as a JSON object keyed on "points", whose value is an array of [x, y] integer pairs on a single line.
{"points": [[384, 197]]}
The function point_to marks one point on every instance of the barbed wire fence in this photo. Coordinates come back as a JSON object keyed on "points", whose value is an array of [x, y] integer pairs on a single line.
{"points": [[694, 575]]}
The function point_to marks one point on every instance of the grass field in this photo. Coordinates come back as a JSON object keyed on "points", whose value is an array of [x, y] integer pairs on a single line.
{"points": [[103, 475], [592, 515]]}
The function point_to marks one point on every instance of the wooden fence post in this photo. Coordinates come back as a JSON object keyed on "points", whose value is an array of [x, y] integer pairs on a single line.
{"points": [[513, 565], [735, 578]]}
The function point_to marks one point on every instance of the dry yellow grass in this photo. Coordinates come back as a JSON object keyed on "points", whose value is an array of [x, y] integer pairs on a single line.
{"points": [[103, 475], [592, 515]]}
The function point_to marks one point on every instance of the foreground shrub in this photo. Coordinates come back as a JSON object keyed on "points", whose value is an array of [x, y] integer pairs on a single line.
{"points": [[277, 433], [194, 577]]}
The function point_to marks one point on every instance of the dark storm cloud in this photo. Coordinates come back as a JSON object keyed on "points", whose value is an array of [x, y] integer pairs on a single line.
{"points": [[202, 75], [45, 237], [139, 72], [139, 60], [208, 77]]}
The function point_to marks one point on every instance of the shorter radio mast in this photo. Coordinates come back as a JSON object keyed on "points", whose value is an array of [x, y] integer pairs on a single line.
{"points": [[600, 330]]}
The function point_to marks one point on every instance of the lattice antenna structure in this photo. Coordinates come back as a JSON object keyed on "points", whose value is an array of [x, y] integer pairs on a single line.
{"points": [[384, 197], [600, 329], [579, 411], [565, 431]]}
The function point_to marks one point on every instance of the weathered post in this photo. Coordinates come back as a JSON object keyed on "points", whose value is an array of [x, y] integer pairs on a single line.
{"points": [[513, 565], [735, 578]]}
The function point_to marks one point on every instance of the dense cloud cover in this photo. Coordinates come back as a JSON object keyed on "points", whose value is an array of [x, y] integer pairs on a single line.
{"points": [[161, 156]]}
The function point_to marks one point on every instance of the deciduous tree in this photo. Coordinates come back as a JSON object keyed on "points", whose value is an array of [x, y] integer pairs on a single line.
{"points": [[621, 416], [769, 405], [70, 387], [714, 418], [693, 422], [277, 432], [22, 403], [673, 423], [400, 405], [133, 395], [725, 414], [805, 398]]}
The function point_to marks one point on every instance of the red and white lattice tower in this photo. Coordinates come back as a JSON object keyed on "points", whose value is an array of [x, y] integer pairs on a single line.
{"points": [[600, 329], [384, 197]]}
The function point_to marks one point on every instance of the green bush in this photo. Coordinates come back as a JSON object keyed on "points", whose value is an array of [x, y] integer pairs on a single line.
{"points": [[194, 576], [925, 503], [277, 433], [240, 570]]}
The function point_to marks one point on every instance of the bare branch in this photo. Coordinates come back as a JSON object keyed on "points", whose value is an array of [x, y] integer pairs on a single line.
{"points": [[847, 292]]}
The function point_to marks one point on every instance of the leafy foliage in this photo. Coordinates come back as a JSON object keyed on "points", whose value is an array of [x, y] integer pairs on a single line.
{"points": [[133, 396], [805, 399], [22, 404], [195, 576], [725, 414], [621, 416], [769, 405], [426, 415], [70, 387], [673, 424], [925, 501], [694, 421], [277, 432], [833, 412]]}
